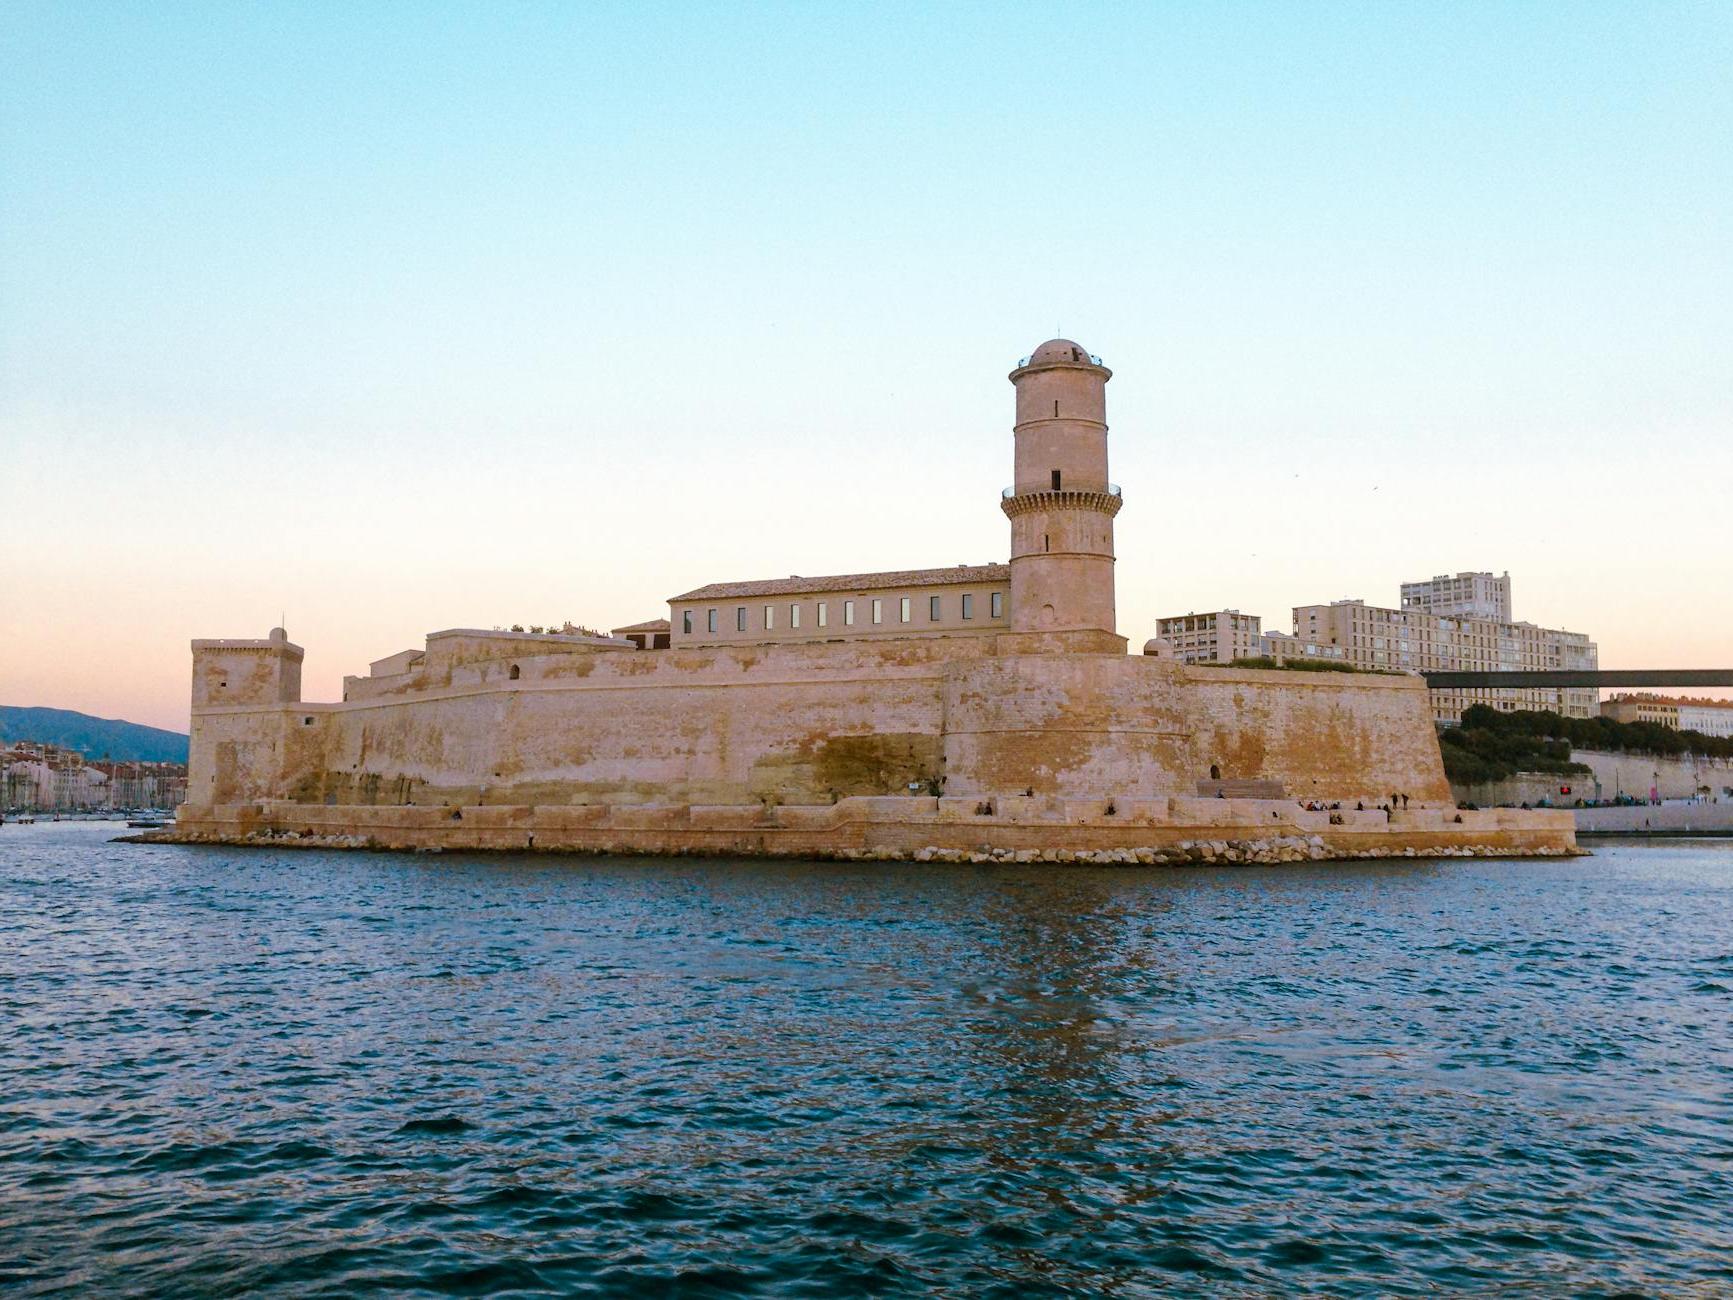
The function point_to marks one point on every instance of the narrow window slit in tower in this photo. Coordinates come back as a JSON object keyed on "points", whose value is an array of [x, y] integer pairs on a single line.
{"points": [[1055, 480], [1044, 543], [1055, 408]]}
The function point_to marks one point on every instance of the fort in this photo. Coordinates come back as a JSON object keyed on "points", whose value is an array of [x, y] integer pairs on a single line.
{"points": [[983, 712]]}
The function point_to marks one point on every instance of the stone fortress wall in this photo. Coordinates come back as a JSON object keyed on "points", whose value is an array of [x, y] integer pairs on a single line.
{"points": [[810, 724], [1043, 735]]}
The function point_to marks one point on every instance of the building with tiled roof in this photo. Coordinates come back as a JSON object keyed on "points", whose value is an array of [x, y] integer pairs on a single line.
{"points": [[963, 600], [651, 634]]}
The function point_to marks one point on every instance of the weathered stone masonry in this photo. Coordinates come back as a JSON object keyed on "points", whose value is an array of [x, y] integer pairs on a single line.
{"points": [[1031, 734]]}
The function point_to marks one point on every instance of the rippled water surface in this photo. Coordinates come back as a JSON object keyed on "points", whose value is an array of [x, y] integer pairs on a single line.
{"points": [[308, 1073]]}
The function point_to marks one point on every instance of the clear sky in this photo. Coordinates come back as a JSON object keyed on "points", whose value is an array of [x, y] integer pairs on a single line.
{"points": [[392, 317]]}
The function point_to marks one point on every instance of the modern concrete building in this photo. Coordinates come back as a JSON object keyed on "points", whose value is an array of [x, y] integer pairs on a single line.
{"points": [[1446, 623], [1284, 648], [1412, 640], [1467, 595], [1226, 636], [1218, 637]]}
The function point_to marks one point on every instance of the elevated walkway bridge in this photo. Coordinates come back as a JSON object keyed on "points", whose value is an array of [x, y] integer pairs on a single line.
{"points": [[1602, 677]]}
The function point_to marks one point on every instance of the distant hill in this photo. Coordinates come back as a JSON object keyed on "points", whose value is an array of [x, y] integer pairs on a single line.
{"points": [[123, 742]]}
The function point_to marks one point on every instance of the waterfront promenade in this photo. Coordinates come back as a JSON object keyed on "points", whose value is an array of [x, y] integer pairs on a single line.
{"points": [[1657, 819]]}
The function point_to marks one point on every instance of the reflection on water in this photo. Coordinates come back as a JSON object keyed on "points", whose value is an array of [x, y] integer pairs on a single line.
{"points": [[316, 1074]]}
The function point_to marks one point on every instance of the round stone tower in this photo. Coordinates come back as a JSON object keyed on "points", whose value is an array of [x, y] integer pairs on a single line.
{"points": [[1060, 504]]}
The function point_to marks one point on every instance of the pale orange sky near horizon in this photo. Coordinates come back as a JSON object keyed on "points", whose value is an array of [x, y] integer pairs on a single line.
{"points": [[365, 564], [386, 326]]}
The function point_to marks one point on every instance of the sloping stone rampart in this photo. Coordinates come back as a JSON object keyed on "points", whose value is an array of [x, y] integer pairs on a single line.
{"points": [[815, 723]]}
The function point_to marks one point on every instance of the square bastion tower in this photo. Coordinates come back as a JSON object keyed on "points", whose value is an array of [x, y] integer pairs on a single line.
{"points": [[973, 707]]}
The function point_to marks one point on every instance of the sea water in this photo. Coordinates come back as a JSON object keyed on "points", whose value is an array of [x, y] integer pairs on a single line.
{"points": [[324, 1074]]}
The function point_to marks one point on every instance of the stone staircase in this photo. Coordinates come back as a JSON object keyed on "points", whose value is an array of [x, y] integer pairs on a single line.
{"points": [[1231, 789]]}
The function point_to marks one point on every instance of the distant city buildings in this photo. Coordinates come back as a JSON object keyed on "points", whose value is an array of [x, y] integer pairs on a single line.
{"points": [[1708, 717], [1224, 636], [1446, 624], [1284, 648], [1218, 637], [1467, 595], [47, 778], [1642, 708], [1410, 640]]}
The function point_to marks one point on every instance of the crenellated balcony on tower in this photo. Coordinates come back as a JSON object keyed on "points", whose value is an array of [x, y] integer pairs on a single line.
{"points": [[1013, 502]]}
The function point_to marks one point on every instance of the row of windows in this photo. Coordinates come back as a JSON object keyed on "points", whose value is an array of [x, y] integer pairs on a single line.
{"points": [[1509, 641], [1208, 622], [821, 612], [1535, 648]]}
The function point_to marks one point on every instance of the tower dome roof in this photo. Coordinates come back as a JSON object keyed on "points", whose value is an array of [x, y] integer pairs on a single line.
{"points": [[1059, 352]]}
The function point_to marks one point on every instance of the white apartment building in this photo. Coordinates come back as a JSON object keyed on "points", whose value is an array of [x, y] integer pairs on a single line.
{"points": [[1711, 717], [1219, 637], [1414, 640], [1467, 595]]}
